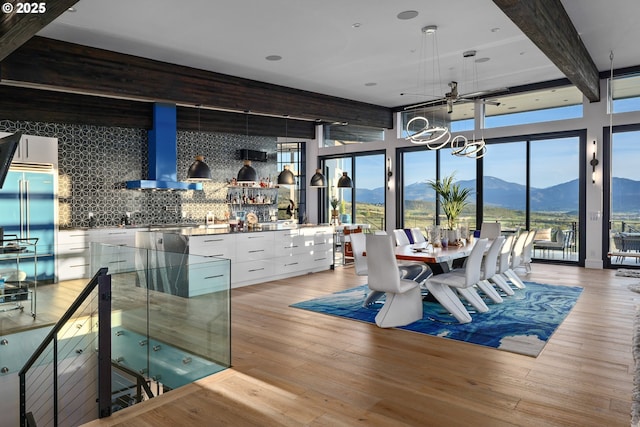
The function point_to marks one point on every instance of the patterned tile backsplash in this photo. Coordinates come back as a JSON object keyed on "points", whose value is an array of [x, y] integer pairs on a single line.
{"points": [[94, 162]]}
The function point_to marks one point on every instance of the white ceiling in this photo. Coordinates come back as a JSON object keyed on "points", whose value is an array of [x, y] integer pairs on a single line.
{"points": [[323, 51]]}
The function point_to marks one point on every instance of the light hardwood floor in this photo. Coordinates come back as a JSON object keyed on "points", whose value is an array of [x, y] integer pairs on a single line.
{"points": [[294, 367]]}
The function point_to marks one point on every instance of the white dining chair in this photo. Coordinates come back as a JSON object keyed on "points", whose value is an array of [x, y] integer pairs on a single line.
{"points": [[419, 271], [516, 260], [417, 235], [403, 300], [527, 251], [463, 280], [361, 266], [490, 230], [499, 279], [401, 237], [488, 269]]}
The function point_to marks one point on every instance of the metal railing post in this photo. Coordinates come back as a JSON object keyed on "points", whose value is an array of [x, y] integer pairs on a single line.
{"points": [[104, 346]]}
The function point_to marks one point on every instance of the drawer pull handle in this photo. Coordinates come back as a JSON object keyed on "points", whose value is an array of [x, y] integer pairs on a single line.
{"points": [[293, 263], [214, 240], [256, 269], [214, 277], [257, 250]]}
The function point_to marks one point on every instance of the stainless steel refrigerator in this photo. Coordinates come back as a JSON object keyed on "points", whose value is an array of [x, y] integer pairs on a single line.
{"points": [[27, 210]]}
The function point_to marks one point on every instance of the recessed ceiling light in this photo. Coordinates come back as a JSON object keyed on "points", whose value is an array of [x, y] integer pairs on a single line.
{"points": [[370, 84], [407, 14], [273, 58], [495, 29], [511, 108], [481, 60], [356, 25], [72, 9]]}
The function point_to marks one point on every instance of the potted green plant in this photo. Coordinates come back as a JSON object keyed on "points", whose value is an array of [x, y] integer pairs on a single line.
{"points": [[453, 198], [334, 212]]}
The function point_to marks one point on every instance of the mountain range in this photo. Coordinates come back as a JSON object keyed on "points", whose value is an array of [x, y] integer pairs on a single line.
{"points": [[497, 192]]}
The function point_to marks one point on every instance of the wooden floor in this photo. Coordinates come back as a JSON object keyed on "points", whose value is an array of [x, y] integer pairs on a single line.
{"points": [[294, 367]]}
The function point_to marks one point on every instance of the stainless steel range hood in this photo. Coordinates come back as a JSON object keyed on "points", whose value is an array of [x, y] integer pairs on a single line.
{"points": [[163, 154]]}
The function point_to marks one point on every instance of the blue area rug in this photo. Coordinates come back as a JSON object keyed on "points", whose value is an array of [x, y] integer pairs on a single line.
{"points": [[522, 324]]}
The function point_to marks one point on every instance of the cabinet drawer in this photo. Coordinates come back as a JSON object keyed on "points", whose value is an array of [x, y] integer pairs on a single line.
{"points": [[73, 237], [73, 249], [254, 247], [254, 271], [290, 264], [214, 246], [73, 267], [205, 278], [321, 259]]}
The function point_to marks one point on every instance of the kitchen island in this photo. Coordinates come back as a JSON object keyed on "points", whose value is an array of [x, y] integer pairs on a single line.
{"points": [[256, 256]]}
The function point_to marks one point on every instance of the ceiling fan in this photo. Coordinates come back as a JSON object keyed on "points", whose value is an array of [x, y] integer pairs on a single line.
{"points": [[453, 97]]}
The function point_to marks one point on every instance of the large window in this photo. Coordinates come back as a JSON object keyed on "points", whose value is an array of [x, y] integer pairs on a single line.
{"points": [[624, 233], [534, 107], [291, 197], [505, 185], [419, 202], [626, 94], [534, 184], [554, 194], [365, 202], [341, 134], [527, 183], [464, 171]]}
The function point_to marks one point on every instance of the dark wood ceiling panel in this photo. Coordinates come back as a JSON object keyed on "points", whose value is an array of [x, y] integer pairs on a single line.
{"points": [[25, 20], [59, 107], [54, 63], [547, 24], [220, 121]]}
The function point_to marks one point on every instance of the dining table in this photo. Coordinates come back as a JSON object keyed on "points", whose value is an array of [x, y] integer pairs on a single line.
{"points": [[439, 259]]}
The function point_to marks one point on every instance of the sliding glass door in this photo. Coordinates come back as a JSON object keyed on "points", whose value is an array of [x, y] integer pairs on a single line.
{"points": [[624, 209], [364, 203], [528, 183]]}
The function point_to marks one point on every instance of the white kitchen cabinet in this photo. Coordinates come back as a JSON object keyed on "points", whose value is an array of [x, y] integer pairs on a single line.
{"points": [[117, 260], [303, 250], [72, 255], [74, 251], [254, 246], [207, 276], [258, 257], [215, 245], [36, 149]]}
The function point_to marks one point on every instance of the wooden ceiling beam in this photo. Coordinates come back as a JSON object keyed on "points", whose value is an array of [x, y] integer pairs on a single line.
{"points": [[56, 65], [547, 24], [25, 19]]}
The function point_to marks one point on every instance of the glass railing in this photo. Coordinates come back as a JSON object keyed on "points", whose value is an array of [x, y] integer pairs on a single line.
{"points": [[169, 326]]}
